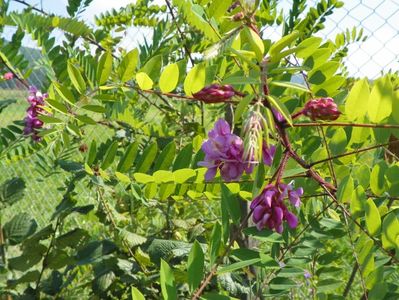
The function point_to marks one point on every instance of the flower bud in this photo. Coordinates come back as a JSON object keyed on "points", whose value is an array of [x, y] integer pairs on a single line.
{"points": [[238, 16], [8, 76], [216, 93], [321, 109]]}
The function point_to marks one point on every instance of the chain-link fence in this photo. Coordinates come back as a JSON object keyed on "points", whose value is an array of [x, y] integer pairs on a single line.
{"points": [[379, 53]]}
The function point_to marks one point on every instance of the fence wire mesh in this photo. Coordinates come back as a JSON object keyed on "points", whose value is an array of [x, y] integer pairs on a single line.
{"points": [[378, 54]]}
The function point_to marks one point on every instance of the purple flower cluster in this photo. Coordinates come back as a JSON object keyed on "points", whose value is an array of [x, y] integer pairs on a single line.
{"points": [[269, 209], [216, 93], [223, 150], [32, 123], [321, 109]]}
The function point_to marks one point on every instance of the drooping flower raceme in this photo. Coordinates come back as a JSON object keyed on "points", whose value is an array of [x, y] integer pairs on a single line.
{"points": [[321, 109], [223, 150], [269, 209], [32, 123], [8, 76], [216, 93]]}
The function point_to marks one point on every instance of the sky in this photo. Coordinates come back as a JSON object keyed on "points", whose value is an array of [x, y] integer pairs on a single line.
{"points": [[379, 18]]}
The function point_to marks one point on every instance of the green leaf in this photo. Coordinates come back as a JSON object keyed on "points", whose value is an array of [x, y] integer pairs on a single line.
{"points": [[291, 85], [232, 204], [345, 190], [148, 157], [377, 178], [240, 109], [94, 252], [11, 191], [76, 77], [308, 46], [57, 105], [281, 108], [92, 153], [366, 255], [195, 266], [256, 42], [166, 157], [195, 79], [216, 237], [328, 284], [182, 175], [373, 219], [358, 100], [380, 106], [144, 81], [65, 93], [104, 68], [167, 280], [238, 265], [287, 40], [95, 108], [19, 228], [86, 119], [169, 78], [218, 8], [282, 284], [183, 159], [395, 106], [110, 155], [128, 159], [49, 120], [390, 231], [128, 65], [357, 202], [136, 294], [338, 142]]}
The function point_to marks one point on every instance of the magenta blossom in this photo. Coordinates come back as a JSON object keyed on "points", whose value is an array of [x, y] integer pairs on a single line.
{"points": [[8, 76], [224, 151], [269, 209], [268, 153], [321, 109], [216, 93], [32, 122]]}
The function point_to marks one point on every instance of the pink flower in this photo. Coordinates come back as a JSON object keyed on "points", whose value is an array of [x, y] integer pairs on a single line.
{"points": [[216, 93], [8, 76], [321, 109], [269, 209], [223, 151], [32, 123]]}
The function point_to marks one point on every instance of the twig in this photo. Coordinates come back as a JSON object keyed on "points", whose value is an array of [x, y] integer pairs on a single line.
{"points": [[351, 153], [343, 124]]}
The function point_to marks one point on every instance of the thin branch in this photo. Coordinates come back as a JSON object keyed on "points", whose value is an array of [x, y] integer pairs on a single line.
{"points": [[343, 124], [351, 153]]}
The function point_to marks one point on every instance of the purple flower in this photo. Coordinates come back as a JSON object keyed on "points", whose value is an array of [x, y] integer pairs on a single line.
{"points": [[216, 93], [268, 154], [321, 109], [269, 209], [223, 150], [32, 123], [278, 115], [307, 275]]}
